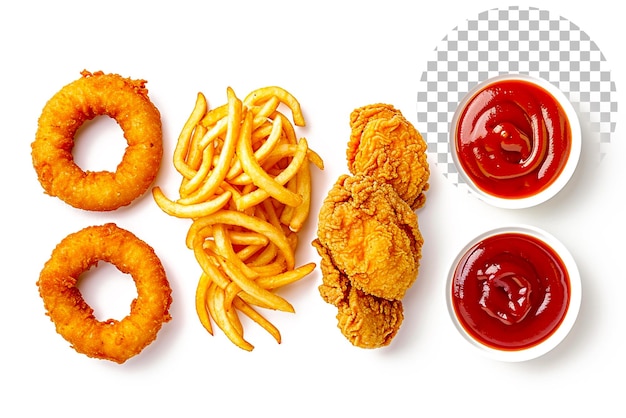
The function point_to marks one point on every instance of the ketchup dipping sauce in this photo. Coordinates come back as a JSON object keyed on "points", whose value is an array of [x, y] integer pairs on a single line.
{"points": [[514, 293], [516, 140]]}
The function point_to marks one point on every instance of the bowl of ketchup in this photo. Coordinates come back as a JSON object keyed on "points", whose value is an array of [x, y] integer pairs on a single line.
{"points": [[514, 293], [515, 140]]}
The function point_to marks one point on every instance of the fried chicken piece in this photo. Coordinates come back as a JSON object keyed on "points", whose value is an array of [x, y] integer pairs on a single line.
{"points": [[371, 235], [365, 320], [385, 145]]}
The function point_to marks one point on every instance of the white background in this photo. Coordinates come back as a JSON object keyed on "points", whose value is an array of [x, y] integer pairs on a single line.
{"points": [[333, 56]]}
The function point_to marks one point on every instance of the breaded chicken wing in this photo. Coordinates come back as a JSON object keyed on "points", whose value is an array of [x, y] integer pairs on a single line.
{"points": [[385, 145], [365, 320], [371, 235], [368, 235]]}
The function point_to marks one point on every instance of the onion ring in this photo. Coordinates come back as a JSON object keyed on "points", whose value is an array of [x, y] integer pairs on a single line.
{"points": [[74, 319], [95, 94]]}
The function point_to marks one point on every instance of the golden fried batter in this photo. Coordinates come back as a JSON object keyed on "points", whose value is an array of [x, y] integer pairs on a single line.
{"points": [[385, 145], [74, 319], [365, 320], [94, 94], [371, 235], [368, 235]]}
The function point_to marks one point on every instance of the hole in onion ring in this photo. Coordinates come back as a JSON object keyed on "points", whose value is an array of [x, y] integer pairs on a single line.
{"points": [[99, 145], [108, 291]]}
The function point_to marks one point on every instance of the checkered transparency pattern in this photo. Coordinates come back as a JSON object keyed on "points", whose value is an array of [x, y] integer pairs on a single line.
{"points": [[515, 40]]}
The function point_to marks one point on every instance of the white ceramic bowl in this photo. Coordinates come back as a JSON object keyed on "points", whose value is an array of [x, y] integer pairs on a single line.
{"points": [[564, 327], [566, 173]]}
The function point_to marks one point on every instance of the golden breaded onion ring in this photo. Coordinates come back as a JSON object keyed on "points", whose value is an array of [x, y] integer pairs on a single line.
{"points": [[95, 94], [74, 319]]}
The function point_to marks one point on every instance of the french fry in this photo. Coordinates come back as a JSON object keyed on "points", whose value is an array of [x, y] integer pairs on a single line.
{"points": [[287, 277], [263, 94], [262, 297], [192, 162], [259, 176], [264, 150], [206, 165], [252, 223], [219, 171], [300, 213], [254, 198], [258, 318], [247, 238], [224, 250], [262, 113], [214, 115], [246, 186], [201, 302], [182, 146], [215, 304], [196, 210]]}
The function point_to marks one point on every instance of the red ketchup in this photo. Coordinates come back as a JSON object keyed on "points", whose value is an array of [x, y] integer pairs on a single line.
{"points": [[510, 291], [513, 139]]}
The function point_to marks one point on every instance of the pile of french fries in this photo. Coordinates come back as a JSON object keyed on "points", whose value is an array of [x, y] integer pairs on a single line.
{"points": [[246, 186]]}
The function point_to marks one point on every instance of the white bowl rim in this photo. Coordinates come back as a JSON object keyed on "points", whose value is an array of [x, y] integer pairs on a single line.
{"points": [[570, 166], [568, 320]]}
